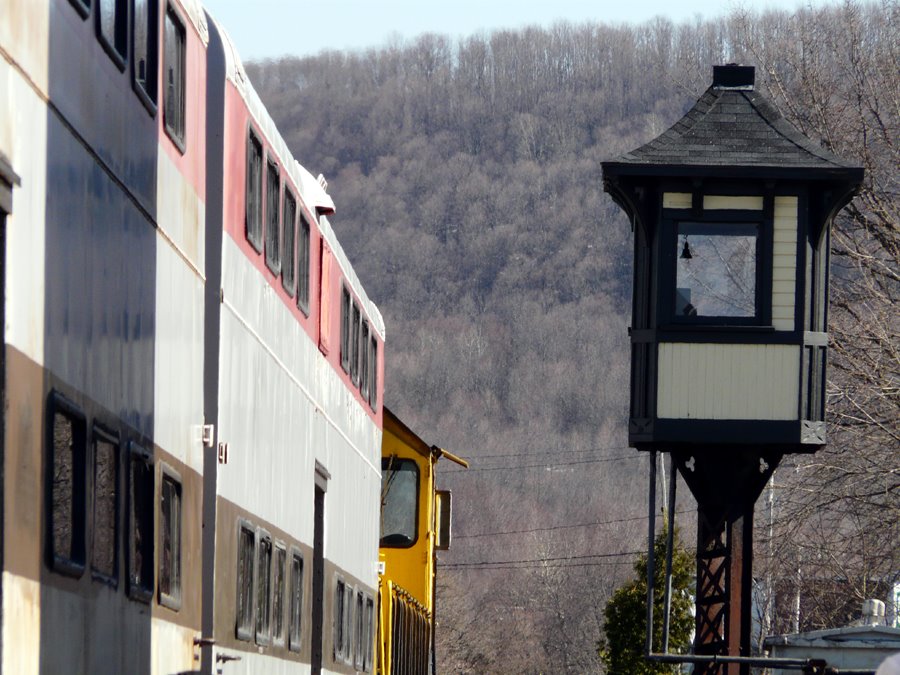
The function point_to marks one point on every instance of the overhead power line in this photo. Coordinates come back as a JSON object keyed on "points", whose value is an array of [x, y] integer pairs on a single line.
{"points": [[539, 561], [519, 467], [550, 452], [559, 527]]}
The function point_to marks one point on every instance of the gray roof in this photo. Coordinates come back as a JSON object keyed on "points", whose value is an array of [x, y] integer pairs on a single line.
{"points": [[735, 127]]}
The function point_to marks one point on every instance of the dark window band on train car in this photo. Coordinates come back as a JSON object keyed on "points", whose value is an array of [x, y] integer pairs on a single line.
{"points": [[141, 536], [246, 563], [106, 505], [112, 29], [174, 75], [145, 62], [253, 195], [263, 587], [83, 7], [169, 573], [295, 634], [273, 216], [289, 241], [66, 486], [303, 264]]}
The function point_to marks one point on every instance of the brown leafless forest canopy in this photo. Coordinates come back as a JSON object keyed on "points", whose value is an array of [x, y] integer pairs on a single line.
{"points": [[467, 180]]}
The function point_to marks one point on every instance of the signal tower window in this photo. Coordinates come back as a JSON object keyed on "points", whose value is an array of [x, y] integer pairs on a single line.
{"points": [[273, 234], [254, 191], [140, 520], [105, 533], [174, 75], [112, 29], [296, 607], [170, 540], [278, 595], [67, 487], [345, 329], [263, 589], [246, 559], [145, 62], [303, 265], [289, 225]]}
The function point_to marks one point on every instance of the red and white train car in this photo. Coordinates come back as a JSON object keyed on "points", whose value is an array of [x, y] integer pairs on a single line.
{"points": [[192, 373]]}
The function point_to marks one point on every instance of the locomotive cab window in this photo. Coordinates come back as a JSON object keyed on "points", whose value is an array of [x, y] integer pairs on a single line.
{"points": [[174, 77], [140, 523], [66, 487], [170, 539], [105, 532], [273, 234], [717, 277], [399, 502], [253, 197], [146, 48], [112, 29]]}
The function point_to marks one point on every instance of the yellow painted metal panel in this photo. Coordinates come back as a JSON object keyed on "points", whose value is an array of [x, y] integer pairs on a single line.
{"points": [[725, 381], [676, 200], [746, 203]]}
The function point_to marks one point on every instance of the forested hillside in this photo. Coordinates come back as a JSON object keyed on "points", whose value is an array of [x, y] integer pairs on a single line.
{"points": [[468, 189]]}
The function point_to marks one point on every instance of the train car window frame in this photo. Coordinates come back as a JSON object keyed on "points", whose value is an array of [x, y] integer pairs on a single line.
{"points": [[101, 435], [174, 77], [373, 376], [273, 216], [303, 249], [116, 43], [354, 328], [66, 512], [279, 586], [289, 241], [263, 624], [170, 538], [349, 606], [359, 630], [146, 33], [364, 359], [244, 613], [368, 652], [345, 328], [295, 606], [253, 198], [83, 7], [141, 534], [339, 637]]}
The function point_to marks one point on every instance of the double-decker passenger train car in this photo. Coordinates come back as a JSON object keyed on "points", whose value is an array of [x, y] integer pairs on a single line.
{"points": [[415, 525], [192, 372]]}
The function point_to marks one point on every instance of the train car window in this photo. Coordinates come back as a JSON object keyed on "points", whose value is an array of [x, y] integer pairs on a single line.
{"points": [[296, 608], [254, 190], [289, 228], [140, 523], [145, 29], [273, 233], [345, 329], [170, 539], [360, 634], [83, 7], [303, 265], [112, 29], [373, 372], [364, 360], [66, 487], [246, 559], [354, 343], [370, 634], [399, 502], [105, 532], [174, 75], [263, 589], [278, 595], [340, 635], [348, 624]]}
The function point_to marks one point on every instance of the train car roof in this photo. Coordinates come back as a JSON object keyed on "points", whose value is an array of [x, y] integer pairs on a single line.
{"points": [[312, 193]]}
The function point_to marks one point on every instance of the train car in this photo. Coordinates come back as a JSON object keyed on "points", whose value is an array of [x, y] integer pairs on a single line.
{"points": [[415, 525], [300, 372], [104, 278], [192, 372]]}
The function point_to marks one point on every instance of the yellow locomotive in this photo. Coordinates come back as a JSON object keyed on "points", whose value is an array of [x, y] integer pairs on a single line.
{"points": [[415, 524]]}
